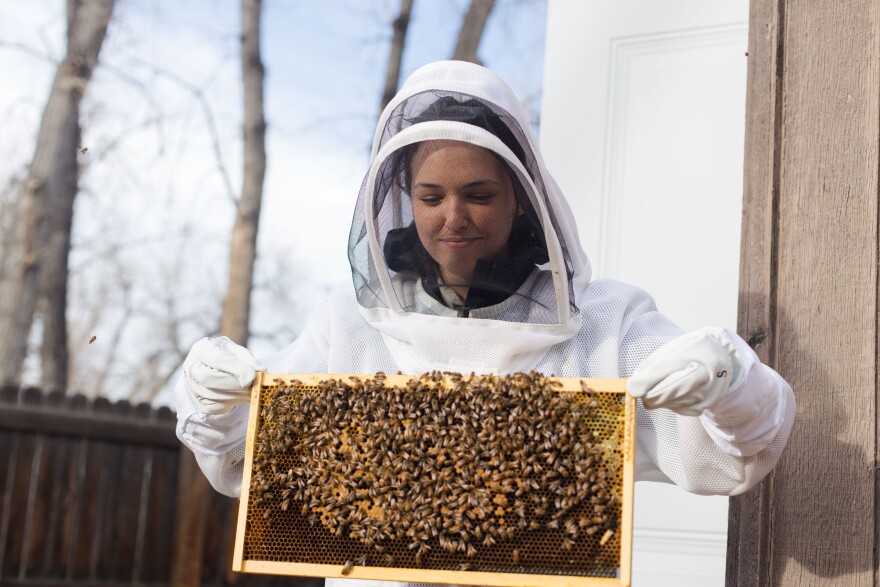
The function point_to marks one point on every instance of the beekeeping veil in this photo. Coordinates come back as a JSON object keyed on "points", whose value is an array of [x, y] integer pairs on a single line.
{"points": [[519, 298]]}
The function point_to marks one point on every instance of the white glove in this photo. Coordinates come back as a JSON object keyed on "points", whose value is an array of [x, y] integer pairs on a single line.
{"points": [[689, 374], [218, 374]]}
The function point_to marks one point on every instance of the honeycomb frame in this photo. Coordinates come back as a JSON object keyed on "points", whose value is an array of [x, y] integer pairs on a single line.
{"points": [[544, 574]]}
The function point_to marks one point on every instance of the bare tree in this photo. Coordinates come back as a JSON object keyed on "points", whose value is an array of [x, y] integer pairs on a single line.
{"points": [[235, 317], [472, 31], [243, 247], [8, 213], [42, 234], [52, 274], [398, 41]]}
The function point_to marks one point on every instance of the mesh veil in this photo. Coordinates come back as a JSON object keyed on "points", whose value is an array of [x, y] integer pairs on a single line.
{"points": [[515, 285]]}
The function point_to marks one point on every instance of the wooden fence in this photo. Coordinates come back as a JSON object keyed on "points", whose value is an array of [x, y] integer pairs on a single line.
{"points": [[100, 493]]}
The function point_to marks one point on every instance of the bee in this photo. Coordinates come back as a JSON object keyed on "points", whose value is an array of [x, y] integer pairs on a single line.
{"points": [[93, 339], [515, 556], [348, 568]]}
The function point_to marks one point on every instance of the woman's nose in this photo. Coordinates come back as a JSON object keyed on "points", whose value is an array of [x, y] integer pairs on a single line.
{"points": [[456, 215]]}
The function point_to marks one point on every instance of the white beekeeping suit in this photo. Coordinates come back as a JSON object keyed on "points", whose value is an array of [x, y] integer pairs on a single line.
{"points": [[712, 419]]}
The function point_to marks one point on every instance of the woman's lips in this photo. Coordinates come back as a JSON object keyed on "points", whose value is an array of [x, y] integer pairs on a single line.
{"points": [[458, 243]]}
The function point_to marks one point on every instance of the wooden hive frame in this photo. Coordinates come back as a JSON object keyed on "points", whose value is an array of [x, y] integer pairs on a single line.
{"points": [[469, 577]]}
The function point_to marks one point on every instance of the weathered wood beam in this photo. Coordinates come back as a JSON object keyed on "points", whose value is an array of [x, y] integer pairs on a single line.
{"points": [[809, 289]]}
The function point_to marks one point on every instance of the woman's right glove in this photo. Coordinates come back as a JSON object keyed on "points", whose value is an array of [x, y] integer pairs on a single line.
{"points": [[689, 374], [218, 374], [713, 374]]}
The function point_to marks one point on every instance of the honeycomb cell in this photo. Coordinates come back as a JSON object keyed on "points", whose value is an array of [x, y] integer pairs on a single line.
{"points": [[498, 474]]}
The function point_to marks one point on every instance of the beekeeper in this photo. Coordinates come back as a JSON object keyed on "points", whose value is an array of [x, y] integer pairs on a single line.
{"points": [[465, 257]]}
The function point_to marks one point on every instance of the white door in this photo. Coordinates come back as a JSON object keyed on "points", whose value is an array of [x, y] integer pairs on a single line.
{"points": [[642, 126]]}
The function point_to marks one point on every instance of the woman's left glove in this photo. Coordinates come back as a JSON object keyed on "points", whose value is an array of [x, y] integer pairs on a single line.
{"points": [[218, 374], [689, 374]]}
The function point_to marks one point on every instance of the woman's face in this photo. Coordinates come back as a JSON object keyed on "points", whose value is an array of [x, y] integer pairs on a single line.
{"points": [[463, 206]]}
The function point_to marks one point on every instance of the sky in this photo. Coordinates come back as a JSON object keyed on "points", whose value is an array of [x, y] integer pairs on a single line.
{"points": [[153, 217]]}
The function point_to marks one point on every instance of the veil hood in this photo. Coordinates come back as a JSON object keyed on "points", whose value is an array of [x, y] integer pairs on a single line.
{"points": [[460, 101]]}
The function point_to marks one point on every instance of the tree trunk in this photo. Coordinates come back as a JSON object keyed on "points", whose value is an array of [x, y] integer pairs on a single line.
{"points": [[48, 189], [243, 246], [398, 41], [52, 271], [472, 31]]}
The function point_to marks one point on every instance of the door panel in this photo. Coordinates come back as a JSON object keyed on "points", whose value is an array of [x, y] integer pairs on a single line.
{"points": [[642, 126]]}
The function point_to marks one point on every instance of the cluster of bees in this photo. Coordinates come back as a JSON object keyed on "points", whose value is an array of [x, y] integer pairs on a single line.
{"points": [[444, 463]]}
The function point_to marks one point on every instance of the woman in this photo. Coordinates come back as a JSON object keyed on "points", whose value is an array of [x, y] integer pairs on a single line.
{"points": [[465, 257]]}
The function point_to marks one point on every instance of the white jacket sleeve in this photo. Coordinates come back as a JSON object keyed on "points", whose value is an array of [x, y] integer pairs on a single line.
{"points": [[216, 441]]}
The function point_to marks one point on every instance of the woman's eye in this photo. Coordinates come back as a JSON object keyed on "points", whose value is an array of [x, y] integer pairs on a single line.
{"points": [[480, 198], [430, 200]]}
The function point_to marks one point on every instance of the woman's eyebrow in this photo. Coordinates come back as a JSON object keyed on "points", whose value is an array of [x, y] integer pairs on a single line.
{"points": [[471, 184], [480, 182]]}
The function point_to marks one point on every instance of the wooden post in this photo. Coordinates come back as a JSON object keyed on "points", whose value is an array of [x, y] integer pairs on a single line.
{"points": [[193, 495], [809, 289]]}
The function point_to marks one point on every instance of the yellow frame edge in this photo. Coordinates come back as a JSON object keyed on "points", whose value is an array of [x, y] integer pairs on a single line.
{"points": [[253, 420]]}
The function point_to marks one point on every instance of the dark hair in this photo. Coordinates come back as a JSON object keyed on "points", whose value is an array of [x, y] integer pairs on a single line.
{"points": [[472, 112]]}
